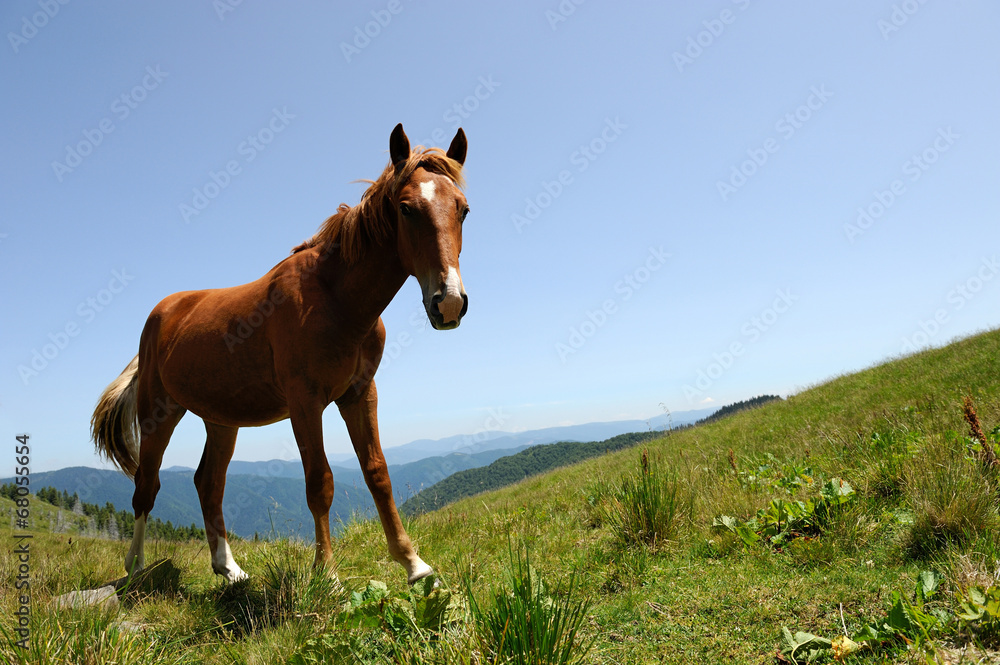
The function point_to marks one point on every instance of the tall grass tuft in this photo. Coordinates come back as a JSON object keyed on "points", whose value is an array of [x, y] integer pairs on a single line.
{"points": [[528, 626], [952, 503], [886, 455], [288, 590], [89, 636], [293, 589], [648, 507]]}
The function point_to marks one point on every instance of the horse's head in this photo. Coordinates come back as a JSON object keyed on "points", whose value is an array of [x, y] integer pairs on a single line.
{"points": [[429, 209]]}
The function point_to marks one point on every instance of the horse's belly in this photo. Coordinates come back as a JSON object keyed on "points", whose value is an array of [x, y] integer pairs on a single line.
{"points": [[225, 397]]}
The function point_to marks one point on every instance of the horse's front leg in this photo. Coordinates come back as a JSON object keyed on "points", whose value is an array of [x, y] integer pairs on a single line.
{"points": [[359, 411], [307, 425]]}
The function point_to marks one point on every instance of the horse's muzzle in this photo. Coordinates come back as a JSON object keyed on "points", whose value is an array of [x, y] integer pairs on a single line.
{"points": [[445, 312]]}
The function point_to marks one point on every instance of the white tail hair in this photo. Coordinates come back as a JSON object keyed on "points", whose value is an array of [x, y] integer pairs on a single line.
{"points": [[115, 423]]}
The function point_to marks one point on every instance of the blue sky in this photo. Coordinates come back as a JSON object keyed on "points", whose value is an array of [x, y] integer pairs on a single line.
{"points": [[673, 206]]}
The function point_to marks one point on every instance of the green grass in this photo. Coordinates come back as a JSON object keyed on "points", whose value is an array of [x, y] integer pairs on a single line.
{"points": [[648, 506], [525, 624], [894, 432]]}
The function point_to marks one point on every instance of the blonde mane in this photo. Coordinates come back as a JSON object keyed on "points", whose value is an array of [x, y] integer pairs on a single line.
{"points": [[353, 228]]}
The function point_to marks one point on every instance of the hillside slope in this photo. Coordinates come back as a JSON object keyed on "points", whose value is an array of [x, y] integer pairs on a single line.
{"points": [[895, 433], [703, 597]]}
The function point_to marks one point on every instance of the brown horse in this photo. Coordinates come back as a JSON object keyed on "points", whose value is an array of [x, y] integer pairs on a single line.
{"points": [[304, 335]]}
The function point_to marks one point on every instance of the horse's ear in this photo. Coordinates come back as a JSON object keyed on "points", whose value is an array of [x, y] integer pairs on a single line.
{"points": [[459, 146], [399, 146]]}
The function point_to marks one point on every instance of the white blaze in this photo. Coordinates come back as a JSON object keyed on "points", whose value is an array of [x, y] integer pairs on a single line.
{"points": [[453, 283], [427, 190], [451, 306]]}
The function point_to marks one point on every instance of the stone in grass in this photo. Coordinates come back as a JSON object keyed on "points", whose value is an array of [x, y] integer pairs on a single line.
{"points": [[104, 596], [161, 577]]}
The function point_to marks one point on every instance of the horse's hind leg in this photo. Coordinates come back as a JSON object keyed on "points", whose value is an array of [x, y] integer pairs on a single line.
{"points": [[158, 415], [210, 479]]}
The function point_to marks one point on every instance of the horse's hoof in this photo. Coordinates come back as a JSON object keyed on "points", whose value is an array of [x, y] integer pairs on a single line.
{"points": [[133, 564], [234, 576], [420, 572]]}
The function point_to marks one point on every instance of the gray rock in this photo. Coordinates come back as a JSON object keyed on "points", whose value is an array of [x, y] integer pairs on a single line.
{"points": [[106, 596]]}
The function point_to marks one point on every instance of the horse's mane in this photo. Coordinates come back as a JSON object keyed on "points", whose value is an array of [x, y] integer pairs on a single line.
{"points": [[355, 227]]}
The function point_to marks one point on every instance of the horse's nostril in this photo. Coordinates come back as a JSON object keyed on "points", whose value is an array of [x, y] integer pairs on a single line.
{"points": [[465, 305]]}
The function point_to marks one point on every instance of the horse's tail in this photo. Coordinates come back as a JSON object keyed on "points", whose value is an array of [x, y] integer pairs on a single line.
{"points": [[115, 423]]}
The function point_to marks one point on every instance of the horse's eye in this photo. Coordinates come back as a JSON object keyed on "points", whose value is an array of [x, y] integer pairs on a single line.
{"points": [[405, 210], [465, 213]]}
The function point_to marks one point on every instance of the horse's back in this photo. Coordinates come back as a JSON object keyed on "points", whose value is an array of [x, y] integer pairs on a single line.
{"points": [[210, 351]]}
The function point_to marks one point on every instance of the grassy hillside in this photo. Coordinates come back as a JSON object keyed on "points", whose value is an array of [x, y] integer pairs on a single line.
{"points": [[45, 518], [661, 585]]}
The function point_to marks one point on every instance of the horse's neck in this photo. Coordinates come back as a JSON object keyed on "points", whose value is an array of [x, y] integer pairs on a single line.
{"points": [[371, 282]]}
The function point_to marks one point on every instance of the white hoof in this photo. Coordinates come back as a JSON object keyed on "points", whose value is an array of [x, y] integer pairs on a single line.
{"points": [[233, 575], [418, 570], [133, 563], [224, 564]]}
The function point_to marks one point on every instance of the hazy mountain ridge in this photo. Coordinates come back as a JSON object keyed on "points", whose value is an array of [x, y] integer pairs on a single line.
{"points": [[496, 440], [272, 499], [515, 468]]}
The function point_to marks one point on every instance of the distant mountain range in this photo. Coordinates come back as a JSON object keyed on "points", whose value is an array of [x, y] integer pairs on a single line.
{"points": [[343, 465], [269, 496], [261, 497], [515, 468], [496, 440]]}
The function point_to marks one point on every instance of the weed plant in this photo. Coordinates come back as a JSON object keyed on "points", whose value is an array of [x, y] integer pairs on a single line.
{"points": [[527, 625], [648, 507]]}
